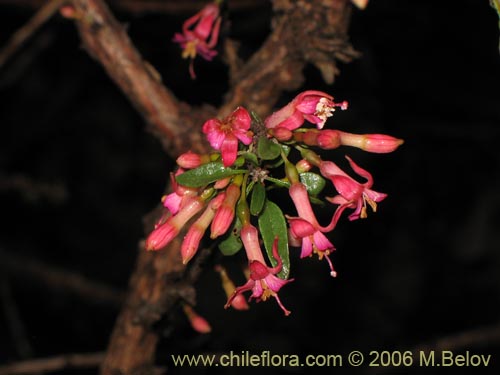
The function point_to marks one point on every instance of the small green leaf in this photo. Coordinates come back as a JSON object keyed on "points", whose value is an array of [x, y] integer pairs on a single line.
{"points": [[272, 224], [232, 243], [286, 150], [251, 157], [206, 174], [314, 182], [267, 149], [239, 162], [278, 182], [258, 199]]}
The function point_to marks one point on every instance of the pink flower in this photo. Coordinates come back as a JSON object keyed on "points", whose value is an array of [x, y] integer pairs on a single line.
{"points": [[238, 302], [377, 143], [223, 135], [174, 201], [352, 194], [199, 35], [313, 106], [199, 323], [190, 160], [163, 234], [263, 281], [225, 214], [306, 227], [195, 233]]}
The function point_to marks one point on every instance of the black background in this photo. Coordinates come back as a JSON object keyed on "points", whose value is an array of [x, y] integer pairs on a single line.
{"points": [[425, 266]]}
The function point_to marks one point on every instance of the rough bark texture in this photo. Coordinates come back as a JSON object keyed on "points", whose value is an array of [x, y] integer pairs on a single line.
{"points": [[160, 280]]}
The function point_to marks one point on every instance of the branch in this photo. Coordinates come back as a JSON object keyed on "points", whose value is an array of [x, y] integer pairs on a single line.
{"points": [[37, 366], [25, 32], [58, 279]]}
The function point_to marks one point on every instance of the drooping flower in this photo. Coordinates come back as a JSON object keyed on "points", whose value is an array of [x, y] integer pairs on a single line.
{"points": [[238, 302], [224, 134], [352, 194], [174, 201], [306, 227], [225, 213], [195, 233], [199, 35], [163, 234], [263, 281], [313, 106], [198, 323]]}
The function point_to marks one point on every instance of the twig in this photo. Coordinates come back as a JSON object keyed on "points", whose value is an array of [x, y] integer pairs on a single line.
{"points": [[44, 365], [13, 318], [33, 190], [26, 31], [58, 279], [464, 340]]}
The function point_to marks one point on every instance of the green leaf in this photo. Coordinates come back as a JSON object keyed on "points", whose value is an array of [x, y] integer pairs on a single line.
{"points": [[258, 199], [271, 224], [251, 157], [267, 149], [232, 243], [286, 150], [278, 182], [205, 174], [314, 182]]}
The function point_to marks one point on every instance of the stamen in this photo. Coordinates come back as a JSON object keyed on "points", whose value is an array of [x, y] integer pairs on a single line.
{"points": [[333, 273], [287, 312]]}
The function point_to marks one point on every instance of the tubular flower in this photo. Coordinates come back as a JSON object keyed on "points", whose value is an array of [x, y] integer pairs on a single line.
{"points": [[238, 302], [166, 232], [313, 106], [175, 200], [377, 143], [305, 227], [199, 35], [199, 323], [263, 281], [225, 214], [190, 160], [352, 194], [224, 135], [195, 233]]}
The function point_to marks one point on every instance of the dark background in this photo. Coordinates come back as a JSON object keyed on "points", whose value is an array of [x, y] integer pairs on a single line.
{"points": [[79, 170]]}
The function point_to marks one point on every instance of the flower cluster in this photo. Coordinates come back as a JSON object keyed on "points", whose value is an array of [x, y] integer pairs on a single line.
{"points": [[228, 192]]}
